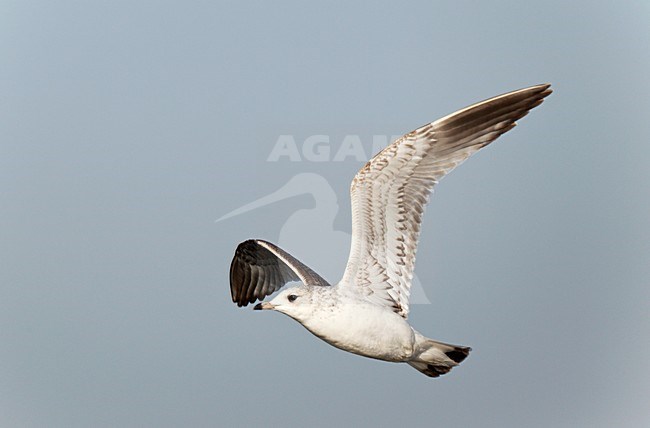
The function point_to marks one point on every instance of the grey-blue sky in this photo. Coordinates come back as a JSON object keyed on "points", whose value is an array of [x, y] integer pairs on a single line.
{"points": [[128, 128]]}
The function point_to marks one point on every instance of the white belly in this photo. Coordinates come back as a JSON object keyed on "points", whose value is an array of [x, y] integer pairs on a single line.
{"points": [[365, 329]]}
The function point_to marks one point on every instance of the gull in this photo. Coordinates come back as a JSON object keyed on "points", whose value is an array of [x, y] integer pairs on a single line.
{"points": [[366, 312]]}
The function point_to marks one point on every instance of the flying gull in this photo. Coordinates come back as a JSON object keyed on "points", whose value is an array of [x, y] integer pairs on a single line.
{"points": [[366, 312]]}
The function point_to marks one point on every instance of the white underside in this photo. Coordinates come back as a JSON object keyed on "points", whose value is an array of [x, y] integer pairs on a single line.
{"points": [[364, 328]]}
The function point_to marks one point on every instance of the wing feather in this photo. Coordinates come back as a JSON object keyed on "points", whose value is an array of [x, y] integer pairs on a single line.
{"points": [[260, 268], [389, 193]]}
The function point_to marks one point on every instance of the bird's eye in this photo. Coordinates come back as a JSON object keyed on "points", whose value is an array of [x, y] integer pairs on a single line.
{"points": [[292, 297]]}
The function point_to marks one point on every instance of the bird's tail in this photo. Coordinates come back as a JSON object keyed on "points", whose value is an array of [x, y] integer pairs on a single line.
{"points": [[436, 358]]}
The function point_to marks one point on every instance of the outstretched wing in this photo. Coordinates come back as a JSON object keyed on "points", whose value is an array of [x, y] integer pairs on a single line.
{"points": [[390, 192], [259, 268]]}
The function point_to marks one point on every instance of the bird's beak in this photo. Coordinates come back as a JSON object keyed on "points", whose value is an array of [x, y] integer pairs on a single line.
{"points": [[263, 305]]}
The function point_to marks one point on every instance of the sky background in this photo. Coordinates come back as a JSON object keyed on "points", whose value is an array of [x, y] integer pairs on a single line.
{"points": [[128, 128]]}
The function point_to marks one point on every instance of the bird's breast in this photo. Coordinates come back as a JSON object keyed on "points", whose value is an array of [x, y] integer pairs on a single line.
{"points": [[364, 329]]}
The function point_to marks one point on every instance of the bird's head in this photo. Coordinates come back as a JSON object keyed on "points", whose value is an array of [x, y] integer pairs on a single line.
{"points": [[295, 302]]}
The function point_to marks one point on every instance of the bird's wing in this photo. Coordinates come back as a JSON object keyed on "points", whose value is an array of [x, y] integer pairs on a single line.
{"points": [[390, 192], [259, 268]]}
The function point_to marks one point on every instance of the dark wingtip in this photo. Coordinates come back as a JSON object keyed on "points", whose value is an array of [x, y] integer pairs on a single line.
{"points": [[545, 91]]}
